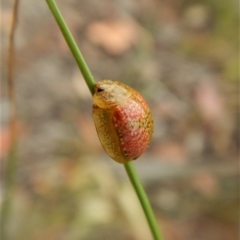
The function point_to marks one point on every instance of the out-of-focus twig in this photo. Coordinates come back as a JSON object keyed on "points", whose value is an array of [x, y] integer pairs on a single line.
{"points": [[10, 76], [12, 158]]}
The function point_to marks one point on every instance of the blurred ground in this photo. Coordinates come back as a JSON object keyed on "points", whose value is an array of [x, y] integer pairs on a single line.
{"points": [[183, 58]]}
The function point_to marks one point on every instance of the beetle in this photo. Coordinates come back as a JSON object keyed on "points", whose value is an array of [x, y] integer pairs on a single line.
{"points": [[122, 119]]}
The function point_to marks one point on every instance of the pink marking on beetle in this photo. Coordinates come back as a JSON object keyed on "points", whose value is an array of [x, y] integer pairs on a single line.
{"points": [[133, 137]]}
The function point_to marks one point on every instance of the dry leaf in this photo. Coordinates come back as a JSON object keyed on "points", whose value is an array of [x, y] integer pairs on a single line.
{"points": [[206, 183], [209, 101], [114, 36], [171, 151]]}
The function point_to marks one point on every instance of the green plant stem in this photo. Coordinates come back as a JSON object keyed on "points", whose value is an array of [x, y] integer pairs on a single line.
{"points": [[72, 45], [132, 174]]}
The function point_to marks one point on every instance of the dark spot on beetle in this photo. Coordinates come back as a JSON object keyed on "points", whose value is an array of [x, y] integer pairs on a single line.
{"points": [[100, 89]]}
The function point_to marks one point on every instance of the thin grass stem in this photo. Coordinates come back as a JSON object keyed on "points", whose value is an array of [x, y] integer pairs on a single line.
{"points": [[72, 45], [133, 176]]}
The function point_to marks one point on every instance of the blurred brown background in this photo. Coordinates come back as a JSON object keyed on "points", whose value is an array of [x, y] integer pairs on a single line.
{"points": [[182, 56]]}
